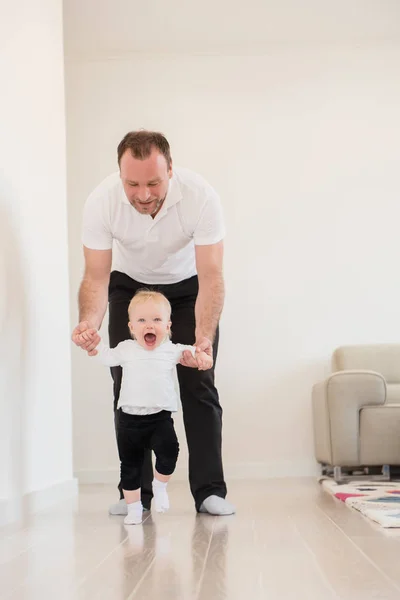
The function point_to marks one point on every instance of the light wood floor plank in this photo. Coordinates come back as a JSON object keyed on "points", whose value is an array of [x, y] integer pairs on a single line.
{"points": [[380, 546], [350, 573], [289, 541]]}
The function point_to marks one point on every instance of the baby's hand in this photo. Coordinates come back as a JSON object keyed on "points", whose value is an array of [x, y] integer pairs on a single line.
{"points": [[88, 335], [204, 361]]}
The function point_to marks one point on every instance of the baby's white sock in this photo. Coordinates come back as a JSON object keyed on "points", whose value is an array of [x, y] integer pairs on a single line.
{"points": [[135, 513], [161, 499]]}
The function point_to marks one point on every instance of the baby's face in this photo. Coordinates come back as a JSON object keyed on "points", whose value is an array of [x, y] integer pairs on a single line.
{"points": [[149, 323]]}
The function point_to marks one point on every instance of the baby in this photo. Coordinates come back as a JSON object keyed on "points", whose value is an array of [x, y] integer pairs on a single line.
{"points": [[147, 397]]}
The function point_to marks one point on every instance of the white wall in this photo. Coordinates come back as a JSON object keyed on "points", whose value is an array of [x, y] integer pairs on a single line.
{"points": [[35, 386], [302, 144]]}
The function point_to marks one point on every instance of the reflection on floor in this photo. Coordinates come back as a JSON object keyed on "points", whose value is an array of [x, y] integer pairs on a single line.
{"points": [[289, 540]]}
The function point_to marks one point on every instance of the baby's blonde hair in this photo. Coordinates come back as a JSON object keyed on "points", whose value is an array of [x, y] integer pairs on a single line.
{"points": [[144, 295]]}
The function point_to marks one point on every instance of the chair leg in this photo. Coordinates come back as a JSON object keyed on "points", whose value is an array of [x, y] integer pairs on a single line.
{"points": [[337, 474], [340, 477]]}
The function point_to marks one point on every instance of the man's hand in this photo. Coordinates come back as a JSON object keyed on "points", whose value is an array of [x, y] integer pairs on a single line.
{"points": [[203, 345], [204, 362], [86, 338]]}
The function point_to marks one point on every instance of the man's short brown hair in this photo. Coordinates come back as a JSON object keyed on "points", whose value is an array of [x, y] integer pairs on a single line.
{"points": [[141, 143]]}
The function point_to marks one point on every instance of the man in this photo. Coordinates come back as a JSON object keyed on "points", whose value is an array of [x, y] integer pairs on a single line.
{"points": [[155, 227]]}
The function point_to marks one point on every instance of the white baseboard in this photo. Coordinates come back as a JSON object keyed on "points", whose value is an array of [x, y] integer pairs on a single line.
{"points": [[19, 507], [234, 471], [271, 470], [98, 476]]}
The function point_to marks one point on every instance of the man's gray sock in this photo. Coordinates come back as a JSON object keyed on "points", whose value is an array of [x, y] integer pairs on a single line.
{"points": [[120, 508], [214, 505]]}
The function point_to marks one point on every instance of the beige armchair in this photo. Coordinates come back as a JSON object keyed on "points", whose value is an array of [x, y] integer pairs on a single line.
{"points": [[356, 410]]}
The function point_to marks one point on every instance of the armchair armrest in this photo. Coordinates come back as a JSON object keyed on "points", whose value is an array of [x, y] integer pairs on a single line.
{"points": [[337, 402]]}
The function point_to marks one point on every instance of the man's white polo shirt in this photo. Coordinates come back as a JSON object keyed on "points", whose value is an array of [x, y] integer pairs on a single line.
{"points": [[159, 250]]}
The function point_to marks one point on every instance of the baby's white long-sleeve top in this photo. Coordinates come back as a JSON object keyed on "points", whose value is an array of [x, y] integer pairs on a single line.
{"points": [[147, 375]]}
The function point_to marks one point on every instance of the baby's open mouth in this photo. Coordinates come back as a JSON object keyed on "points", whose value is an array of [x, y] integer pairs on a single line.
{"points": [[150, 339]]}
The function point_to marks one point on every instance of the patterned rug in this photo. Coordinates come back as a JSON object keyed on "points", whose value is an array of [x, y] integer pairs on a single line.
{"points": [[378, 501]]}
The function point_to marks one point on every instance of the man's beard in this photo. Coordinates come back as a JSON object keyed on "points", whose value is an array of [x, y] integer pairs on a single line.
{"points": [[136, 204], [158, 205]]}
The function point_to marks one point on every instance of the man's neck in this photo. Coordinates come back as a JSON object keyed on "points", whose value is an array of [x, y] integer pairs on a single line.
{"points": [[159, 207]]}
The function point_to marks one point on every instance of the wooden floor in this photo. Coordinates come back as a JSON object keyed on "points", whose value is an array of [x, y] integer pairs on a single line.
{"points": [[289, 540]]}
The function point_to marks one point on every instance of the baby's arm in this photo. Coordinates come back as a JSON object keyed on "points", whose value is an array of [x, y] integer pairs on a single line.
{"points": [[110, 357], [204, 361]]}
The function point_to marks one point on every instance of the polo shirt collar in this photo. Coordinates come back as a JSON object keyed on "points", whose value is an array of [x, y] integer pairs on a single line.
{"points": [[174, 193]]}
